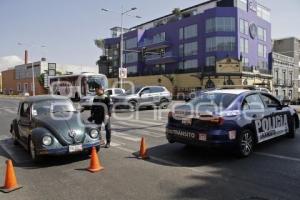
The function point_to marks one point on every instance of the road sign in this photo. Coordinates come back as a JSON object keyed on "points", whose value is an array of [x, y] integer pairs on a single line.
{"points": [[52, 69], [122, 72]]}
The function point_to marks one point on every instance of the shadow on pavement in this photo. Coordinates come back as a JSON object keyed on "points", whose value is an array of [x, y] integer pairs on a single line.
{"points": [[188, 156], [21, 157]]}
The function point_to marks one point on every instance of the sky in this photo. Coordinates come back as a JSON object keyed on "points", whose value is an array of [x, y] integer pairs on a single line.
{"points": [[68, 27]]}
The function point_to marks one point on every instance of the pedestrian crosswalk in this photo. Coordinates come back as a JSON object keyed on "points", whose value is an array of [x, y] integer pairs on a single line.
{"points": [[132, 130]]}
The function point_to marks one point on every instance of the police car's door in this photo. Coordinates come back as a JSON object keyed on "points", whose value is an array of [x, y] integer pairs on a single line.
{"points": [[254, 112], [276, 122]]}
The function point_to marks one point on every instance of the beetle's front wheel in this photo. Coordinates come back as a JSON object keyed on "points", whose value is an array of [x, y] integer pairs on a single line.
{"points": [[36, 158]]}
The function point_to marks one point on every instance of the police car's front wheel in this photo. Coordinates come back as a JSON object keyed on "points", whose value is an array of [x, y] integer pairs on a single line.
{"points": [[292, 131], [245, 143]]}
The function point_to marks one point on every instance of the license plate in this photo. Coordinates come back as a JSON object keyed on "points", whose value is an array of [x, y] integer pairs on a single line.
{"points": [[202, 137], [75, 148]]}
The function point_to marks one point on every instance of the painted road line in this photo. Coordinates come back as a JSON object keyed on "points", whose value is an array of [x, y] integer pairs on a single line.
{"points": [[141, 123], [16, 153], [135, 121], [137, 131], [10, 111], [145, 130], [125, 136], [278, 156]]}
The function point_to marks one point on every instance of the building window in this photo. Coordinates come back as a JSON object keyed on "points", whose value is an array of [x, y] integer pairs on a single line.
{"points": [[263, 13], [245, 62], [19, 87], [191, 64], [242, 4], [25, 87], [244, 45], [188, 32], [131, 43], [210, 61], [132, 70], [220, 44], [188, 65], [244, 26], [262, 34], [131, 57], [160, 37], [263, 64], [262, 50], [191, 49], [220, 24]]}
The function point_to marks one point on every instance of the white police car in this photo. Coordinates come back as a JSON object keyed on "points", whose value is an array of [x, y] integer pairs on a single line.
{"points": [[236, 117]]}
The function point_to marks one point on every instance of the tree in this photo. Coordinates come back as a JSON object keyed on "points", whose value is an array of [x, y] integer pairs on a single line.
{"points": [[177, 12], [100, 43]]}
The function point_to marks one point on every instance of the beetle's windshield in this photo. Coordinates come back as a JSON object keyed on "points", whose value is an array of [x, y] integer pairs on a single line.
{"points": [[52, 106]]}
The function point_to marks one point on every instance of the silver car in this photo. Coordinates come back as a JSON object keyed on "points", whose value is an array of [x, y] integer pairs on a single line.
{"points": [[148, 96], [87, 101]]}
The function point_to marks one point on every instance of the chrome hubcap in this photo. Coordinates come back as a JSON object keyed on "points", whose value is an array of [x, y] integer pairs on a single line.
{"points": [[246, 143]]}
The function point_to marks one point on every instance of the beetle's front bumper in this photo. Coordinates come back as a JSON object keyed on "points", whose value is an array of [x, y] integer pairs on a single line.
{"points": [[64, 150]]}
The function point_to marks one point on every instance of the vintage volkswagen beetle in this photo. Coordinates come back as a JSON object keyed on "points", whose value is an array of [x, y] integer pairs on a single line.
{"points": [[50, 125]]}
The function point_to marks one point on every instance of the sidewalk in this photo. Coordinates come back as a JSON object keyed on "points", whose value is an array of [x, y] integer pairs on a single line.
{"points": [[17, 97]]}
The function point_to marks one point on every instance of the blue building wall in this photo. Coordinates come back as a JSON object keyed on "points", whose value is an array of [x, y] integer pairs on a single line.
{"points": [[172, 39]]}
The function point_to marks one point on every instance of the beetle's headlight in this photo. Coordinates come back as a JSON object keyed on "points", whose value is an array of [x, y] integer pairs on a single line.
{"points": [[47, 140], [94, 133]]}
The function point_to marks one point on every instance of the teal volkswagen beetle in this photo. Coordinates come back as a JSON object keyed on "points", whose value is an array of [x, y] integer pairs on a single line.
{"points": [[50, 125]]}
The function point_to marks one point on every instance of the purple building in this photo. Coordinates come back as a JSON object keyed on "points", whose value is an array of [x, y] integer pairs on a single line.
{"points": [[192, 40]]}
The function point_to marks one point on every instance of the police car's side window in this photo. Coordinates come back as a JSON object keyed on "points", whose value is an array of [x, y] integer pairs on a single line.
{"points": [[253, 102], [270, 102]]}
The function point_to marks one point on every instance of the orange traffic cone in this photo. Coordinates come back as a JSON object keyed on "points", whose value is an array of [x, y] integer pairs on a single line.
{"points": [[143, 149], [95, 164], [10, 179]]}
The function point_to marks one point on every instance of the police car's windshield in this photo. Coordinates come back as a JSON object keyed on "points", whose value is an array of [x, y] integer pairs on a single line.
{"points": [[213, 100]]}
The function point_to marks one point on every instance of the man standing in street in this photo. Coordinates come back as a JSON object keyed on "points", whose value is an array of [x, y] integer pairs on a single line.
{"points": [[101, 112]]}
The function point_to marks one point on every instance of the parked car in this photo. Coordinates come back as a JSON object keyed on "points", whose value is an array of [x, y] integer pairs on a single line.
{"points": [[87, 101], [236, 118], [50, 125], [146, 96]]}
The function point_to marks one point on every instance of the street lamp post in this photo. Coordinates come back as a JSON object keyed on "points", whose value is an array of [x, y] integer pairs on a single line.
{"points": [[122, 35], [32, 68]]}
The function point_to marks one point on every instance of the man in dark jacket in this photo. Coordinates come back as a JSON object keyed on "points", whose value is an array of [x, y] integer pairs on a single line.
{"points": [[101, 112]]}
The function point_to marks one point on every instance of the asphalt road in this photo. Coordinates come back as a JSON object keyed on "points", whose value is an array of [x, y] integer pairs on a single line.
{"points": [[174, 171]]}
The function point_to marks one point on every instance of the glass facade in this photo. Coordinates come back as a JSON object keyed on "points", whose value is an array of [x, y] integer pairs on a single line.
{"points": [[188, 65], [210, 61], [132, 70], [131, 43], [220, 24], [220, 44], [188, 49], [131, 57], [188, 32]]}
